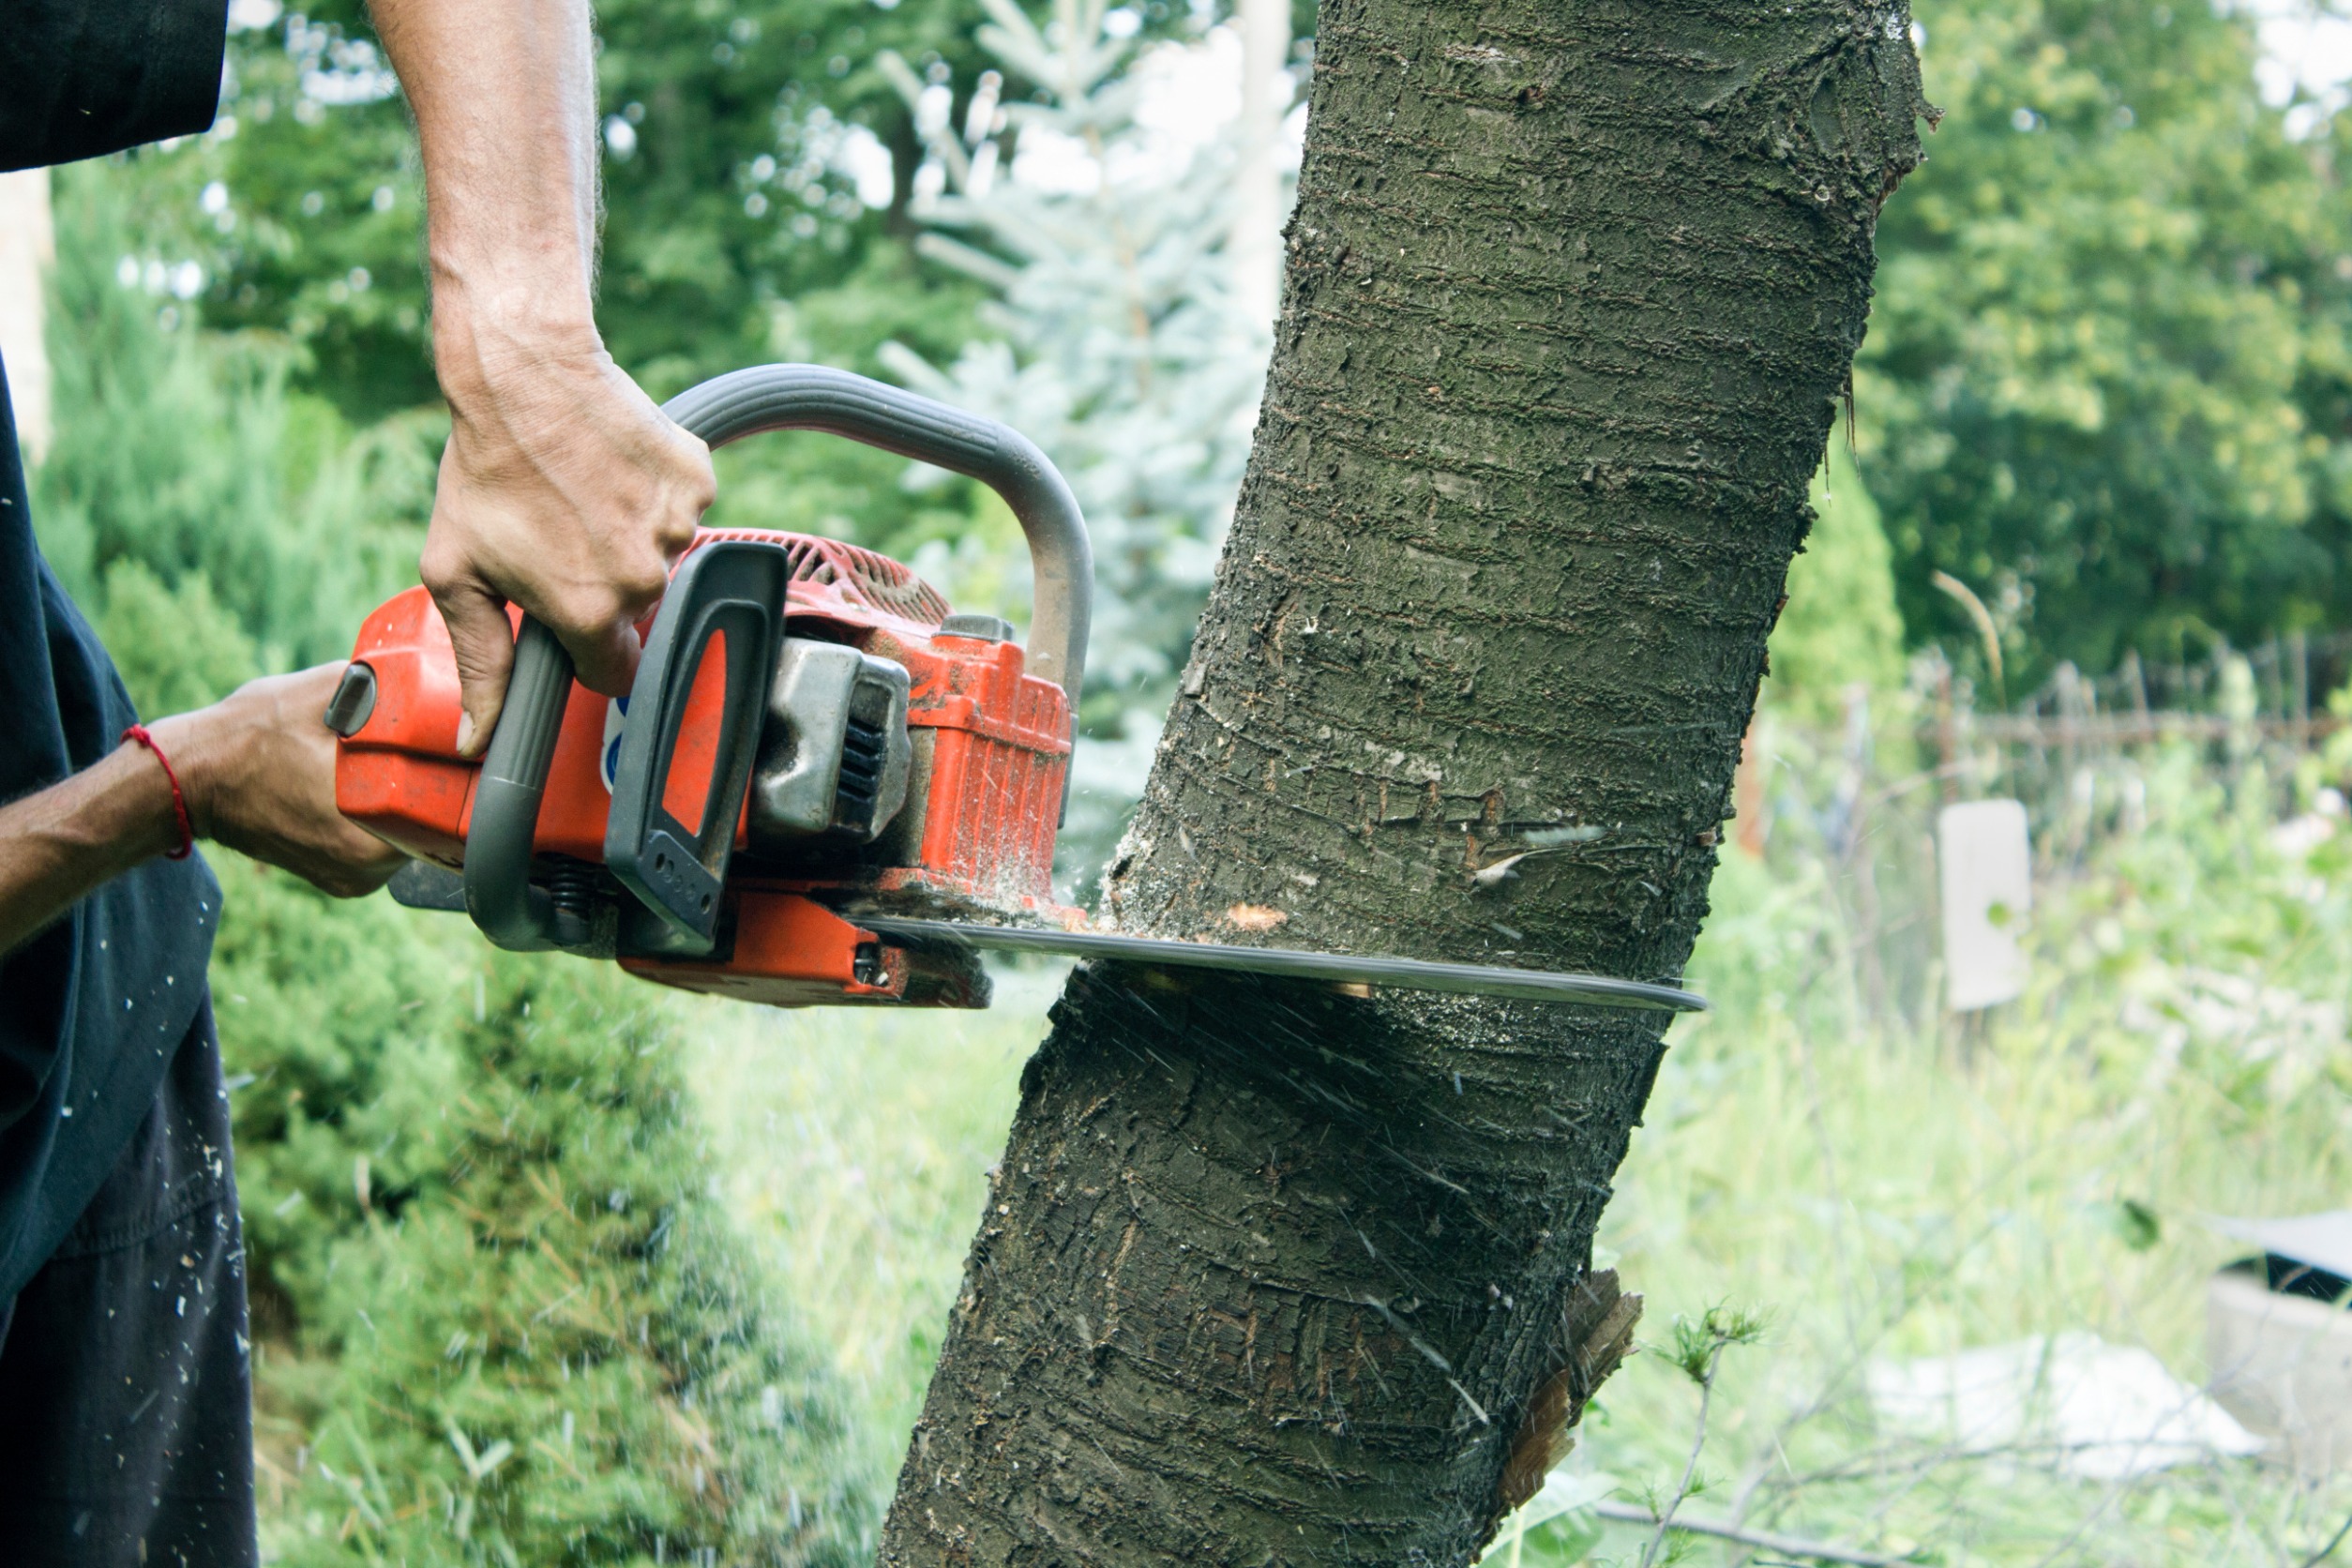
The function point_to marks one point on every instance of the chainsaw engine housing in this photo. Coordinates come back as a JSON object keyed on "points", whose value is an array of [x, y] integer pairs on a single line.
{"points": [[810, 735], [898, 766]]}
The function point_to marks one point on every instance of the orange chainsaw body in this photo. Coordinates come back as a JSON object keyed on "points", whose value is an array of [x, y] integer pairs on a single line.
{"points": [[991, 746]]}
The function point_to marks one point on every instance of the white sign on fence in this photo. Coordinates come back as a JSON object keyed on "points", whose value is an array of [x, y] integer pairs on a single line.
{"points": [[1986, 866]]}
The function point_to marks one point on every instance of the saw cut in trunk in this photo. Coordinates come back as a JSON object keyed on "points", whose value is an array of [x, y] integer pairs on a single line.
{"points": [[1277, 1274]]}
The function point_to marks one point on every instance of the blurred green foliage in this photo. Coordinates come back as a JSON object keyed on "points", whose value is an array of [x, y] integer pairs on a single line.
{"points": [[733, 236], [2107, 382], [1840, 626], [195, 455], [318, 231], [177, 648]]}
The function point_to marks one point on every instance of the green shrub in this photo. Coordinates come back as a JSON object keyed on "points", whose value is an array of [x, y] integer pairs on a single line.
{"points": [[178, 647], [187, 452], [498, 1318]]}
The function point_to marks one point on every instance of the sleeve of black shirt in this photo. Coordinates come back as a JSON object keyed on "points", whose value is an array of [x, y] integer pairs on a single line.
{"points": [[79, 78]]}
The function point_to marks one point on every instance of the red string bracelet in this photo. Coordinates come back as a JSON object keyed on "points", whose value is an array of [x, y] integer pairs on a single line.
{"points": [[179, 801]]}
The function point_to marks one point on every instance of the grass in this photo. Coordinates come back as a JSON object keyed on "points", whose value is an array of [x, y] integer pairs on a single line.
{"points": [[855, 1146], [1825, 1155]]}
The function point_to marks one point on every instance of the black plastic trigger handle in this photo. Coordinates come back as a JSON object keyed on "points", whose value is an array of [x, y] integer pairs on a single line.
{"points": [[726, 603]]}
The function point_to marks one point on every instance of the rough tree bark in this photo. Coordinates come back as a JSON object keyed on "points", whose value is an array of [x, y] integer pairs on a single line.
{"points": [[1273, 1274]]}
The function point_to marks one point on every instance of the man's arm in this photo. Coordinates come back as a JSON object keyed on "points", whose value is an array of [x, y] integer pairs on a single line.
{"points": [[563, 488], [257, 771]]}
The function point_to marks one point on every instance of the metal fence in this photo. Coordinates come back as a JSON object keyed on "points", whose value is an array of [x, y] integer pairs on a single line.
{"points": [[1856, 803]]}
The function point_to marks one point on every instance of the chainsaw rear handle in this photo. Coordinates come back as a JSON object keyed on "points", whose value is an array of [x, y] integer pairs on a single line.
{"points": [[498, 891]]}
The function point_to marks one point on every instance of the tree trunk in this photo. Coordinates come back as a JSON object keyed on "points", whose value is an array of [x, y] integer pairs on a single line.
{"points": [[1271, 1273]]}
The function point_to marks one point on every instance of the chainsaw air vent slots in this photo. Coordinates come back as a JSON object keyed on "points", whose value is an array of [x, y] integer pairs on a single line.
{"points": [[824, 785]]}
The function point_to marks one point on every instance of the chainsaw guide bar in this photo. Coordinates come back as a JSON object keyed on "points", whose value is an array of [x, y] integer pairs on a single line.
{"points": [[1412, 974]]}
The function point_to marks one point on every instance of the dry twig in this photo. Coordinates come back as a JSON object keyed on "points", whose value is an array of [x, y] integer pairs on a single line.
{"points": [[1765, 1540]]}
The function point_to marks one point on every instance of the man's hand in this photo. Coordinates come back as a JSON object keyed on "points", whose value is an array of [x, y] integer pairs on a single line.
{"points": [[562, 490], [257, 772]]}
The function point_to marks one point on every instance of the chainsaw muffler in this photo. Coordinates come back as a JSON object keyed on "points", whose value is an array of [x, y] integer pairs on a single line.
{"points": [[835, 756]]}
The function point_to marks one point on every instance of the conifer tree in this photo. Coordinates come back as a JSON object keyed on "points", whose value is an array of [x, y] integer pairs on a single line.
{"points": [[1120, 337]]}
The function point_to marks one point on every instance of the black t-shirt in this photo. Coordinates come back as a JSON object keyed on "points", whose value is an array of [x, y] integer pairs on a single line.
{"points": [[79, 78], [94, 1009]]}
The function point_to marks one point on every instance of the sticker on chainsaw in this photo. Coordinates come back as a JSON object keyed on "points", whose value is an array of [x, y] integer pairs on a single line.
{"points": [[616, 713]]}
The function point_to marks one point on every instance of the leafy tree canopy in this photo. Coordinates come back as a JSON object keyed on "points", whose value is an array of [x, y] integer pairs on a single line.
{"points": [[731, 179], [2107, 382]]}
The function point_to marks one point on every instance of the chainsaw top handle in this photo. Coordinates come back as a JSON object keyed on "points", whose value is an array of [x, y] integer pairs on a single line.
{"points": [[498, 848], [813, 398]]}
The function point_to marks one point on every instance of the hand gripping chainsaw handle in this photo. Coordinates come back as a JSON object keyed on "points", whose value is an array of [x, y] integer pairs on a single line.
{"points": [[675, 868]]}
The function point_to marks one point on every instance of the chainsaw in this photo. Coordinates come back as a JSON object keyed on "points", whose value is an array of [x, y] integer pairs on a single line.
{"points": [[825, 785]]}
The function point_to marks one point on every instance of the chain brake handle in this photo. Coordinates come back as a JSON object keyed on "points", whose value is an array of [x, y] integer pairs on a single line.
{"points": [[734, 590]]}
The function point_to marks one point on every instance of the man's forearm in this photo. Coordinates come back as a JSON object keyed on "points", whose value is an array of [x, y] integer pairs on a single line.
{"points": [[257, 775], [563, 489], [59, 845], [505, 98]]}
